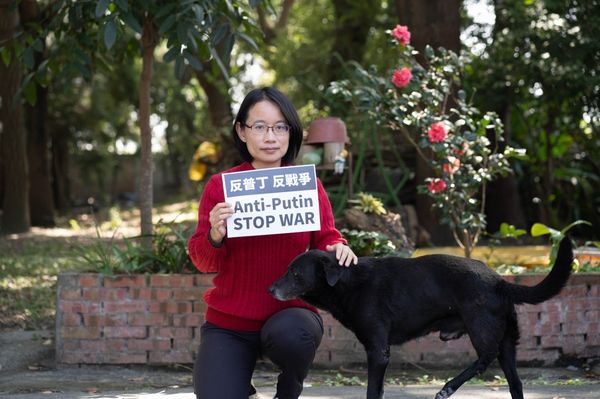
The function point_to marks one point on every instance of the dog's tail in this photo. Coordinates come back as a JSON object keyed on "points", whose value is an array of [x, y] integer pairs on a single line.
{"points": [[549, 286]]}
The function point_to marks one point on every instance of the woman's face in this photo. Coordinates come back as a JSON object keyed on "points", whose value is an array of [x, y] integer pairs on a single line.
{"points": [[267, 149]]}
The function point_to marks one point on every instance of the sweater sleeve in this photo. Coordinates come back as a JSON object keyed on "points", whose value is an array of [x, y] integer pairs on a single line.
{"points": [[328, 235], [206, 257]]}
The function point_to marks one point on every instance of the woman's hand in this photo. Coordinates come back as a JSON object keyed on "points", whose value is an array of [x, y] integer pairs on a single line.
{"points": [[343, 254], [218, 221]]}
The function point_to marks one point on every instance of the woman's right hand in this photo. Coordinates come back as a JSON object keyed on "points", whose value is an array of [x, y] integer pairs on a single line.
{"points": [[218, 221]]}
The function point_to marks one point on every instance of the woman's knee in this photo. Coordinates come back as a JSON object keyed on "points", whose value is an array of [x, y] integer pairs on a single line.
{"points": [[292, 334]]}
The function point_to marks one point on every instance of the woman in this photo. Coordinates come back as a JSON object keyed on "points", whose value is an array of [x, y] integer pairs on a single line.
{"points": [[243, 322]]}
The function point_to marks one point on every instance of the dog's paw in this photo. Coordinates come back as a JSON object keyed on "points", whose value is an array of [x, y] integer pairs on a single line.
{"points": [[444, 393]]}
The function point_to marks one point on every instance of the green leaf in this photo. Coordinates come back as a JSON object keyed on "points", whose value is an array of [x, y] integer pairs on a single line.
{"points": [[6, 55], [539, 229], [199, 11], [165, 10], [193, 60], [101, 7], [122, 5], [110, 34], [179, 67], [132, 22], [30, 92], [167, 24], [171, 54], [575, 223], [28, 59]]}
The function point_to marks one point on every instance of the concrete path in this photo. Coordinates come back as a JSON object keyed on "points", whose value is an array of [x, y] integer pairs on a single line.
{"points": [[27, 371], [587, 391]]}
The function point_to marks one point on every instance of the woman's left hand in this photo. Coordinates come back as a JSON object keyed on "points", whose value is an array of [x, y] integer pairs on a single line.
{"points": [[343, 254]]}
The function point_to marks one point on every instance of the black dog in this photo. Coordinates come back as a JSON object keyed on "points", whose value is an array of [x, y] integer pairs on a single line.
{"points": [[391, 300]]}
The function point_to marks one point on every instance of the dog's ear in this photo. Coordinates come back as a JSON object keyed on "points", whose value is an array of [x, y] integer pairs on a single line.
{"points": [[333, 272]]}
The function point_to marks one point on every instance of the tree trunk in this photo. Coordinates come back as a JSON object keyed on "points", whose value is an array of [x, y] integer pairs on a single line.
{"points": [[219, 104], [149, 42], [15, 216], [353, 20], [503, 201], [60, 170], [41, 199], [435, 23]]}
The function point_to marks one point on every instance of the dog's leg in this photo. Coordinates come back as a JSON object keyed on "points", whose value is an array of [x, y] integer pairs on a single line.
{"points": [[507, 358], [475, 369], [378, 357], [486, 332]]}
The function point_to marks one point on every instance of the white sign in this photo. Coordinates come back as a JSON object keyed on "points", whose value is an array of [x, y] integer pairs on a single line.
{"points": [[272, 201]]}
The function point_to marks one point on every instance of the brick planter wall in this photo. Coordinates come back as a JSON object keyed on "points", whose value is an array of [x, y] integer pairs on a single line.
{"points": [[155, 319]]}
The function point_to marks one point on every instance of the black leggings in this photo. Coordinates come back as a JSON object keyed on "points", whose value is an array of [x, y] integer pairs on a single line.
{"points": [[226, 358]]}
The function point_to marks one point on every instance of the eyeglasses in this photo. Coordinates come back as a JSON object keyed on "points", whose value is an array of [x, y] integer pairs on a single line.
{"points": [[260, 129]]}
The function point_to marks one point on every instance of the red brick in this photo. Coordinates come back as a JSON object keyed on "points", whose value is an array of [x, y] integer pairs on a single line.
{"points": [[204, 280], [161, 294], [170, 332], [80, 333], [138, 345], [186, 294], [187, 320], [171, 307], [100, 320], [591, 315], [71, 319], [184, 345], [92, 294], [104, 345], [574, 291], [172, 280], [553, 341], [199, 307], [141, 293], [125, 332], [138, 280], [579, 328], [149, 319], [125, 307], [115, 294], [90, 280], [78, 307], [71, 295], [573, 344]]}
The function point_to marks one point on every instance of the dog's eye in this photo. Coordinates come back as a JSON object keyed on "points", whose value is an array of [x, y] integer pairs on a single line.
{"points": [[295, 273]]}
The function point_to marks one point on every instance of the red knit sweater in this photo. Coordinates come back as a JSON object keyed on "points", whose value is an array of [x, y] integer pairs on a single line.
{"points": [[247, 266]]}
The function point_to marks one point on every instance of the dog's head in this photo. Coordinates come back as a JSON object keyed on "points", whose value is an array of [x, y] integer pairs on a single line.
{"points": [[309, 272]]}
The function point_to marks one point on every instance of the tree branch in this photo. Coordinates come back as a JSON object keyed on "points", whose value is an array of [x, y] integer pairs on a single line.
{"points": [[272, 30]]}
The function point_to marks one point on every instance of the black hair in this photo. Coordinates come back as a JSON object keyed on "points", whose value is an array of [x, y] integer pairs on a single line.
{"points": [[289, 113]]}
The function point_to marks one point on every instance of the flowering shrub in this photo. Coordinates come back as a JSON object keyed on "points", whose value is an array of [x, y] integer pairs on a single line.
{"points": [[428, 107]]}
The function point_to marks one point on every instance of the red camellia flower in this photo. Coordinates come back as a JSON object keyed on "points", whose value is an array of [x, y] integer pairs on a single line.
{"points": [[452, 166], [402, 77], [402, 34], [436, 186], [437, 133]]}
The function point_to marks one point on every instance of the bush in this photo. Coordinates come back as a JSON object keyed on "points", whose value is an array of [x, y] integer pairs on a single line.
{"points": [[167, 255]]}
